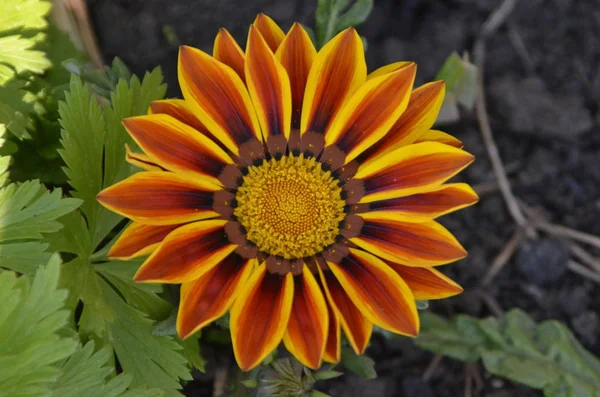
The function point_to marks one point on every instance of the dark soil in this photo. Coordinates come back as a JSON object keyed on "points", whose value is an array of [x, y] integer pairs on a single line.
{"points": [[543, 90]]}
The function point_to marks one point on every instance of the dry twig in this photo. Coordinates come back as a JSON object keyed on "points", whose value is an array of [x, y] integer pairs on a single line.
{"points": [[585, 256], [583, 271], [503, 257], [220, 382], [435, 362]]}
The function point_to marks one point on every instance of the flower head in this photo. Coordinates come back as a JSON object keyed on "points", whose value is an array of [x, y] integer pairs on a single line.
{"points": [[295, 191]]}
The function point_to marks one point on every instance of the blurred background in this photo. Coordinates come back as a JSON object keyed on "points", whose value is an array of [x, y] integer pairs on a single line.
{"points": [[542, 86]]}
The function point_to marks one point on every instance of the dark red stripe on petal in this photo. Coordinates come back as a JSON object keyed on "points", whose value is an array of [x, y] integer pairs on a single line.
{"points": [[138, 239], [209, 297], [306, 334], [378, 292], [337, 71], [426, 283], [219, 96], [260, 315], [187, 253], [413, 244], [356, 327], [296, 53], [160, 198], [269, 30], [227, 50]]}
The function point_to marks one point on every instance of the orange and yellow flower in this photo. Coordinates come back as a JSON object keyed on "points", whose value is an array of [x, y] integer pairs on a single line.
{"points": [[295, 191]]}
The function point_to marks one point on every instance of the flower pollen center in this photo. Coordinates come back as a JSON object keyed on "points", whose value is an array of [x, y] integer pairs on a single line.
{"points": [[290, 207]]}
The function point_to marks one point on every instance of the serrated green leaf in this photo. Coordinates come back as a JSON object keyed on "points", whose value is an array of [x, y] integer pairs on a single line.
{"points": [[15, 107], [153, 360], [27, 212], [363, 366], [332, 17], [17, 56], [545, 356], [31, 315], [90, 374], [23, 14], [356, 14]]}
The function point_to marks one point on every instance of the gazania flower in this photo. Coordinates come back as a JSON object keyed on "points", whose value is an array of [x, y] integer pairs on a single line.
{"points": [[295, 191]]}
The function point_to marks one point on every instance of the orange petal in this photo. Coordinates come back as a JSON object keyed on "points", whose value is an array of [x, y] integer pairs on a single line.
{"points": [[424, 207], [411, 169], [411, 244], [138, 240], [441, 137], [271, 32], [269, 87], [210, 296], [378, 292], [333, 349], [370, 112], [296, 54], [187, 253], [179, 109], [426, 283], [177, 146], [160, 198], [422, 111], [227, 50], [356, 327], [307, 329], [218, 95], [141, 160], [336, 73], [259, 316], [392, 67]]}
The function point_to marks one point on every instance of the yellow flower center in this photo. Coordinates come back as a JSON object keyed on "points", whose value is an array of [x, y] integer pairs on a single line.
{"points": [[290, 207]]}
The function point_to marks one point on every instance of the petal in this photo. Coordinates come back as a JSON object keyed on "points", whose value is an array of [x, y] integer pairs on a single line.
{"points": [[411, 244], [426, 283], [187, 253], [269, 87], [423, 207], [356, 327], [138, 240], [392, 67], [333, 349], [210, 296], [378, 292], [441, 137], [259, 316], [422, 111], [411, 169], [336, 73], [227, 50], [177, 146], [307, 329], [296, 54], [218, 95], [141, 160], [160, 198], [371, 112], [179, 109], [271, 32]]}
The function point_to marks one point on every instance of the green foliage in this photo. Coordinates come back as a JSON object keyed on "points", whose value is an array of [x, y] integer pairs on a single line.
{"points": [[333, 16], [28, 212], [362, 366], [32, 315], [461, 86], [543, 356], [117, 314]]}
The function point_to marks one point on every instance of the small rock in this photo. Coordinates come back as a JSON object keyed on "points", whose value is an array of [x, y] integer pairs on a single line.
{"points": [[586, 326], [526, 106], [416, 387], [543, 261]]}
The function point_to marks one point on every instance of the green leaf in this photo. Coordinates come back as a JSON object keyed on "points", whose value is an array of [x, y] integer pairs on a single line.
{"points": [[17, 56], [460, 77], [23, 14], [90, 374], [543, 356], [152, 360], [15, 108], [31, 315], [324, 375], [27, 212], [361, 365], [331, 17], [191, 351]]}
